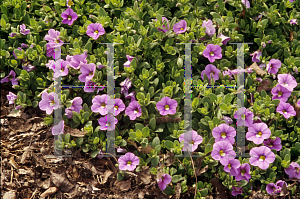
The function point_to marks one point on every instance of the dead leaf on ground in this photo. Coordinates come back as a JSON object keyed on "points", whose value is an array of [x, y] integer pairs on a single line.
{"points": [[178, 190], [198, 165], [219, 187], [49, 192], [264, 85], [60, 180], [74, 132], [284, 190], [202, 170], [257, 69], [106, 175], [144, 175], [297, 109], [168, 159], [291, 35], [123, 185]]}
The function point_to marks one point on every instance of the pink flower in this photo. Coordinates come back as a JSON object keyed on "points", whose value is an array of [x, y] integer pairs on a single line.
{"points": [[69, 16], [180, 27], [163, 181], [95, 30], [128, 162]]}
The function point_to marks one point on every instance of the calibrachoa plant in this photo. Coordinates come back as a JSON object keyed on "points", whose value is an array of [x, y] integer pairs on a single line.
{"points": [[66, 39]]}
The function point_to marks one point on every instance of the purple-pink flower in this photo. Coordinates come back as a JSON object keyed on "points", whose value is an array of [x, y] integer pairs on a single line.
{"points": [[298, 103], [90, 87], [166, 106], [164, 181], [261, 156], [211, 71], [227, 119], [273, 65], [108, 122], [129, 59], [212, 52], [180, 27], [100, 104], [128, 162], [280, 92], [242, 172], [77, 61], [125, 86], [232, 164], [293, 21], [49, 102], [95, 30], [224, 38], [87, 72], [210, 29], [236, 190], [133, 110], [287, 80], [131, 96], [293, 171], [10, 78], [62, 69], [165, 29], [76, 106], [256, 55], [244, 117], [119, 106], [59, 128], [11, 97], [273, 144], [223, 151], [246, 3], [273, 189], [286, 110], [69, 16], [23, 30], [223, 132], [258, 132], [191, 140]]}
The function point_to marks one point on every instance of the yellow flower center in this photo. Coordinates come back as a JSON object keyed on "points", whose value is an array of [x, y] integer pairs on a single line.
{"points": [[222, 153], [262, 158], [91, 73], [96, 32], [69, 17], [70, 3], [103, 105], [10, 77], [211, 53], [297, 170], [167, 107], [259, 134], [136, 111], [129, 163], [229, 166], [223, 135], [116, 107], [181, 28], [279, 94], [270, 145], [52, 103], [243, 116], [107, 124], [243, 171], [284, 111], [192, 142]]}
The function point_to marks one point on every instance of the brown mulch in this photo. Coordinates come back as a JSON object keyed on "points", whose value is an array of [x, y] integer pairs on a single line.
{"points": [[30, 170]]}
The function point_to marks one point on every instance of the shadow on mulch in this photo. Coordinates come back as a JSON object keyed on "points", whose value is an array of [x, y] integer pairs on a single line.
{"points": [[30, 170]]}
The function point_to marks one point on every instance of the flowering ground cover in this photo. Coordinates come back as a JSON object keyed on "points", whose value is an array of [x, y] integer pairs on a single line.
{"points": [[82, 118]]}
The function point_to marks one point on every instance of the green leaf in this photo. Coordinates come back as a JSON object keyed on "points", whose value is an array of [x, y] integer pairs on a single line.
{"points": [[79, 142], [120, 176], [177, 178], [152, 123], [168, 144], [88, 46], [86, 116], [227, 99], [146, 132], [212, 97], [155, 142], [67, 138], [208, 148], [139, 133], [35, 104], [155, 161]]}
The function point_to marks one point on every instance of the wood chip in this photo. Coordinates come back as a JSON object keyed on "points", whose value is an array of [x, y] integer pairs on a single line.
{"points": [[49, 192], [178, 190], [106, 175], [264, 85], [74, 132], [257, 69]]}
